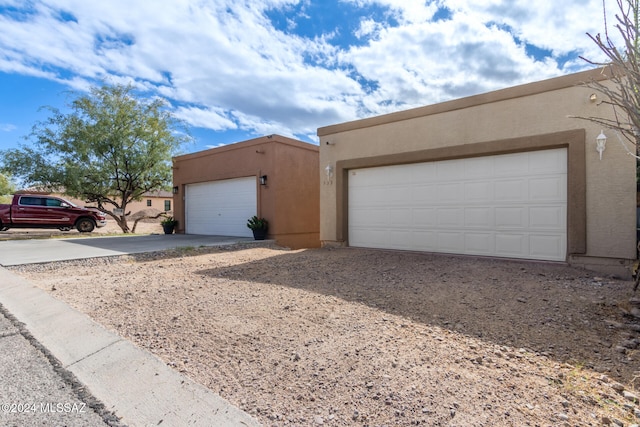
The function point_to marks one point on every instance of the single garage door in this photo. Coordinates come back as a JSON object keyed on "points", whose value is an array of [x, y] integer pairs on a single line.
{"points": [[512, 205], [220, 208]]}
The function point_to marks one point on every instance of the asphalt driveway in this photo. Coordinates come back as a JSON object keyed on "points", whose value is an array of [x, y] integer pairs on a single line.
{"points": [[18, 252]]}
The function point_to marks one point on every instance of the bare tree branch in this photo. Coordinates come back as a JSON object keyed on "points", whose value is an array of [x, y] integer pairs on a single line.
{"points": [[622, 94]]}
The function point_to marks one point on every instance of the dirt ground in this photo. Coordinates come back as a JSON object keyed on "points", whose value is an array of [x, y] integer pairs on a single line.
{"points": [[343, 337]]}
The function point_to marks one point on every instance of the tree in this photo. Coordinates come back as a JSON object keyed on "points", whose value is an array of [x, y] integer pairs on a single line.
{"points": [[623, 70], [6, 188], [110, 149]]}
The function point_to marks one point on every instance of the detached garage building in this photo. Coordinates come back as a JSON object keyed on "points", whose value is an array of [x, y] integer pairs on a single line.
{"points": [[504, 174], [218, 190]]}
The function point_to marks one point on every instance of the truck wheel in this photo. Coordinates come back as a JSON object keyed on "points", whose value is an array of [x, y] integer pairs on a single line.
{"points": [[85, 225]]}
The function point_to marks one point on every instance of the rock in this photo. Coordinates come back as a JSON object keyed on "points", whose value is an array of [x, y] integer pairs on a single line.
{"points": [[617, 387], [630, 396]]}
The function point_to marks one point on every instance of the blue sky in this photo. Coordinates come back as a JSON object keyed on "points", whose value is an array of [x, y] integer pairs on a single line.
{"points": [[239, 69]]}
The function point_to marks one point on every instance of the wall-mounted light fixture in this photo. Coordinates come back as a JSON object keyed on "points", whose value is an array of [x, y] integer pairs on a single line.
{"points": [[329, 143], [263, 180], [175, 190], [601, 142], [328, 171]]}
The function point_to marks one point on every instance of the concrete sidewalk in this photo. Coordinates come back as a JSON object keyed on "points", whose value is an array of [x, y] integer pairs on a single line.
{"points": [[18, 252], [131, 383]]}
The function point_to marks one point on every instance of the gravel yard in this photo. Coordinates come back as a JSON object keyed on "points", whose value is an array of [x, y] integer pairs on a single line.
{"points": [[343, 337]]}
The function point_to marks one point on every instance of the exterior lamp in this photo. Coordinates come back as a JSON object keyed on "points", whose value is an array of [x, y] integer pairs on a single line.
{"points": [[601, 141], [329, 173], [263, 180], [175, 190]]}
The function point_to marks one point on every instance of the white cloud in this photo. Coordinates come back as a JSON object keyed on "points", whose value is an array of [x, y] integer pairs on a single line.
{"points": [[215, 119], [224, 66], [7, 127]]}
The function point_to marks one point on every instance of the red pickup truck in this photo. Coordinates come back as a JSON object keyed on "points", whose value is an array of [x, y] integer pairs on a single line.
{"points": [[39, 211]]}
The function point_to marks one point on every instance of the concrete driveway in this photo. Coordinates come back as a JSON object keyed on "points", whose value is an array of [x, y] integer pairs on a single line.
{"points": [[18, 252]]}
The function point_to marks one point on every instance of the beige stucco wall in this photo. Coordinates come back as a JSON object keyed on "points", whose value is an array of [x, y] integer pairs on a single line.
{"points": [[290, 201], [499, 118]]}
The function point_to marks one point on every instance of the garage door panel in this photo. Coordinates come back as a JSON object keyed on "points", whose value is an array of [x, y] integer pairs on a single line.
{"points": [[547, 161], [510, 165], [368, 238], [511, 217], [401, 239], [478, 192], [512, 245], [450, 193], [542, 245], [506, 205], [450, 218], [481, 217], [547, 217], [547, 189], [451, 242], [425, 218], [478, 168], [398, 194], [447, 170], [423, 173], [479, 243], [368, 196], [221, 207], [402, 218], [513, 190], [424, 240], [370, 217], [424, 193]]}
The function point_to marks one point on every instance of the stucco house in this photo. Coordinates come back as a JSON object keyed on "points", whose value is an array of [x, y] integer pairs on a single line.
{"points": [[217, 190], [161, 201], [510, 173]]}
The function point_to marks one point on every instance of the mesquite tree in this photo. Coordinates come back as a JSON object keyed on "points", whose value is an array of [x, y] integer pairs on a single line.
{"points": [[110, 149]]}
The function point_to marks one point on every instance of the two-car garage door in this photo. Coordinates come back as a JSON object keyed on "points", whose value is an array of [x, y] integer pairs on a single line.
{"points": [[512, 205], [220, 208]]}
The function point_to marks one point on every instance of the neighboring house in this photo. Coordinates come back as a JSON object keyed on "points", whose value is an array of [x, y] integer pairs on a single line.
{"points": [[216, 191], [161, 201], [502, 174]]}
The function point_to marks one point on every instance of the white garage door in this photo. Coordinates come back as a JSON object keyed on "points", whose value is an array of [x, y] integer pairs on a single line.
{"points": [[511, 205], [220, 208]]}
